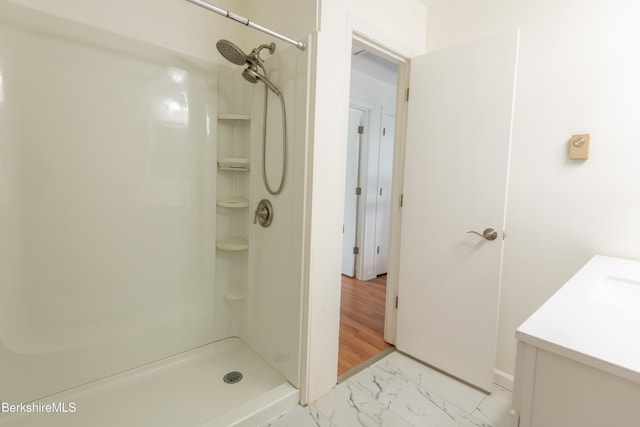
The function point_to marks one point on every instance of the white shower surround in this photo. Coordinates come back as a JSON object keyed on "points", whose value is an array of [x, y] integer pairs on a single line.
{"points": [[73, 80]]}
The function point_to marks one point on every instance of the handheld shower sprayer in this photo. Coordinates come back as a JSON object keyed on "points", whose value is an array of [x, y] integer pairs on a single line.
{"points": [[251, 75], [253, 61]]}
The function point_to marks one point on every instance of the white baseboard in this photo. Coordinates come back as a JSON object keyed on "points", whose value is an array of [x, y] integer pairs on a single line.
{"points": [[503, 379]]}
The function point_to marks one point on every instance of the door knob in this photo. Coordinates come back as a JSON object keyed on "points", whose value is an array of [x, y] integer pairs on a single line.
{"points": [[488, 233]]}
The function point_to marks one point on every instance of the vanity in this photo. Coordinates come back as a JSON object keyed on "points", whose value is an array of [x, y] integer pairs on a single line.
{"points": [[578, 356]]}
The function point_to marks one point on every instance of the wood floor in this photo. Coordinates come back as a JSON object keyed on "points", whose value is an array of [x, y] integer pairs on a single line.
{"points": [[361, 321]]}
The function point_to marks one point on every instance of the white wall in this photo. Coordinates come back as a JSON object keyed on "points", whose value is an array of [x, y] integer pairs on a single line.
{"points": [[174, 24], [403, 31], [578, 72], [293, 18]]}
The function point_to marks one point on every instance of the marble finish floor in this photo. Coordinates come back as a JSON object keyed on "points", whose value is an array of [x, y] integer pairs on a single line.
{"points": [[398, 391]]}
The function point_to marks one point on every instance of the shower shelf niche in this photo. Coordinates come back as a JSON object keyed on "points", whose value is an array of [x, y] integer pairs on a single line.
{"points": [[233, 244], [233, 203], [235, 164], [233, 187], [244, 117], [232, 295]]}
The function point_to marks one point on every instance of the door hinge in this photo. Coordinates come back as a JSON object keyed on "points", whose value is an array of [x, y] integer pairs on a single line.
{"points": [[402, 200], [396, 302], [378, 250], [381, 191], [384, 131], [358, 191], [360, 130], [356, 250], [407, 94]]}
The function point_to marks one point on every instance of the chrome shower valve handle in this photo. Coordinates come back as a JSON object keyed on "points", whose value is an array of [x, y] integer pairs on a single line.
{"points": [[263, 213]]}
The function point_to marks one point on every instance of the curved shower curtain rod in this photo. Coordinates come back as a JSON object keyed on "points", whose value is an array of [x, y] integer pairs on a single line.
{"points": [[248, 23]]}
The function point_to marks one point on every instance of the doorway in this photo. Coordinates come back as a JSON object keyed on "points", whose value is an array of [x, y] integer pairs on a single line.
{"points": [[472, 83], [367, 224]]}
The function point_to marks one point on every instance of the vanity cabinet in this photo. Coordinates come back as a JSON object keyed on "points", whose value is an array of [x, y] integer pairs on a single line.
{"points": [[578, 356], [557, 391]]}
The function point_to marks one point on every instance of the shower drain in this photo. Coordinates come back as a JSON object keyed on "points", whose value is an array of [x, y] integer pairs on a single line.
{"points": [[232, 377]]}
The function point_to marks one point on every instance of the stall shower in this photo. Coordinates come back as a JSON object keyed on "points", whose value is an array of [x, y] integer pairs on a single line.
{"points": [[134, 288]]}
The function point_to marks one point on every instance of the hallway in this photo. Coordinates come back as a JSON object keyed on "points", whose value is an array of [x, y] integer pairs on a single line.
{"points": [[361, 321]]}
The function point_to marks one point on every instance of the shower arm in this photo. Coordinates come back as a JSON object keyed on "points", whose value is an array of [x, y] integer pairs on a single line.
{"points": [[242, 20]]}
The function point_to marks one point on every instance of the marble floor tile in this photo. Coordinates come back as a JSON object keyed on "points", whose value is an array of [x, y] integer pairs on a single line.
{"points": [[349, 406], [373, 380], [398, 391], [495, 407], [423, 408], [461, 395], [300, 417]]}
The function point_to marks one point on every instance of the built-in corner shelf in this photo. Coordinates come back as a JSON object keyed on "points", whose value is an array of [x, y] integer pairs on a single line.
{"points": [[235, 164], [232, 295], [233, 244], [245, 117], [233, 203]]}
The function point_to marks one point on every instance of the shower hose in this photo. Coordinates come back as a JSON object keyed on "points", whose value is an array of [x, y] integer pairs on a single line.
{"points": [[264, 144]]}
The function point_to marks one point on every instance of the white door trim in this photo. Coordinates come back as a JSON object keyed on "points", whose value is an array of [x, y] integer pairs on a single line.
{"points": [[390, 323]]}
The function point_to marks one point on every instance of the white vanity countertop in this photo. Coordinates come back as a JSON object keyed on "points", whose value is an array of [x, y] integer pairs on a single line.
{"points": [[594, 318]]}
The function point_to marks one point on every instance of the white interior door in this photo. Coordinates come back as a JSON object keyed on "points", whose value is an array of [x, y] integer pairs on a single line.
{"points": [[350, 197], [457, 155]]}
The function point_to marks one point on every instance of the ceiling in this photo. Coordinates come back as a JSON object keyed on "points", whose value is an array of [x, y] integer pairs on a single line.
{"points": [[373, 65]]}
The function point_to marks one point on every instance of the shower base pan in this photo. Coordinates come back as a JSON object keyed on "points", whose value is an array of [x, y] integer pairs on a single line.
{"points": [[187, 390]]}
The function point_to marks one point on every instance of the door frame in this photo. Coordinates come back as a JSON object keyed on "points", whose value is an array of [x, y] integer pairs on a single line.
{"points": [[391, 314]]}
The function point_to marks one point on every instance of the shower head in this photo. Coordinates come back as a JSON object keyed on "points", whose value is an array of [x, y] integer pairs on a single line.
{"points": [[252, 76], [232, 52], [235, 55]]}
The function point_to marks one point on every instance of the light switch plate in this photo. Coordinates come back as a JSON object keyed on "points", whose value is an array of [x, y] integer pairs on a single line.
{"points": [[579, 146]]}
